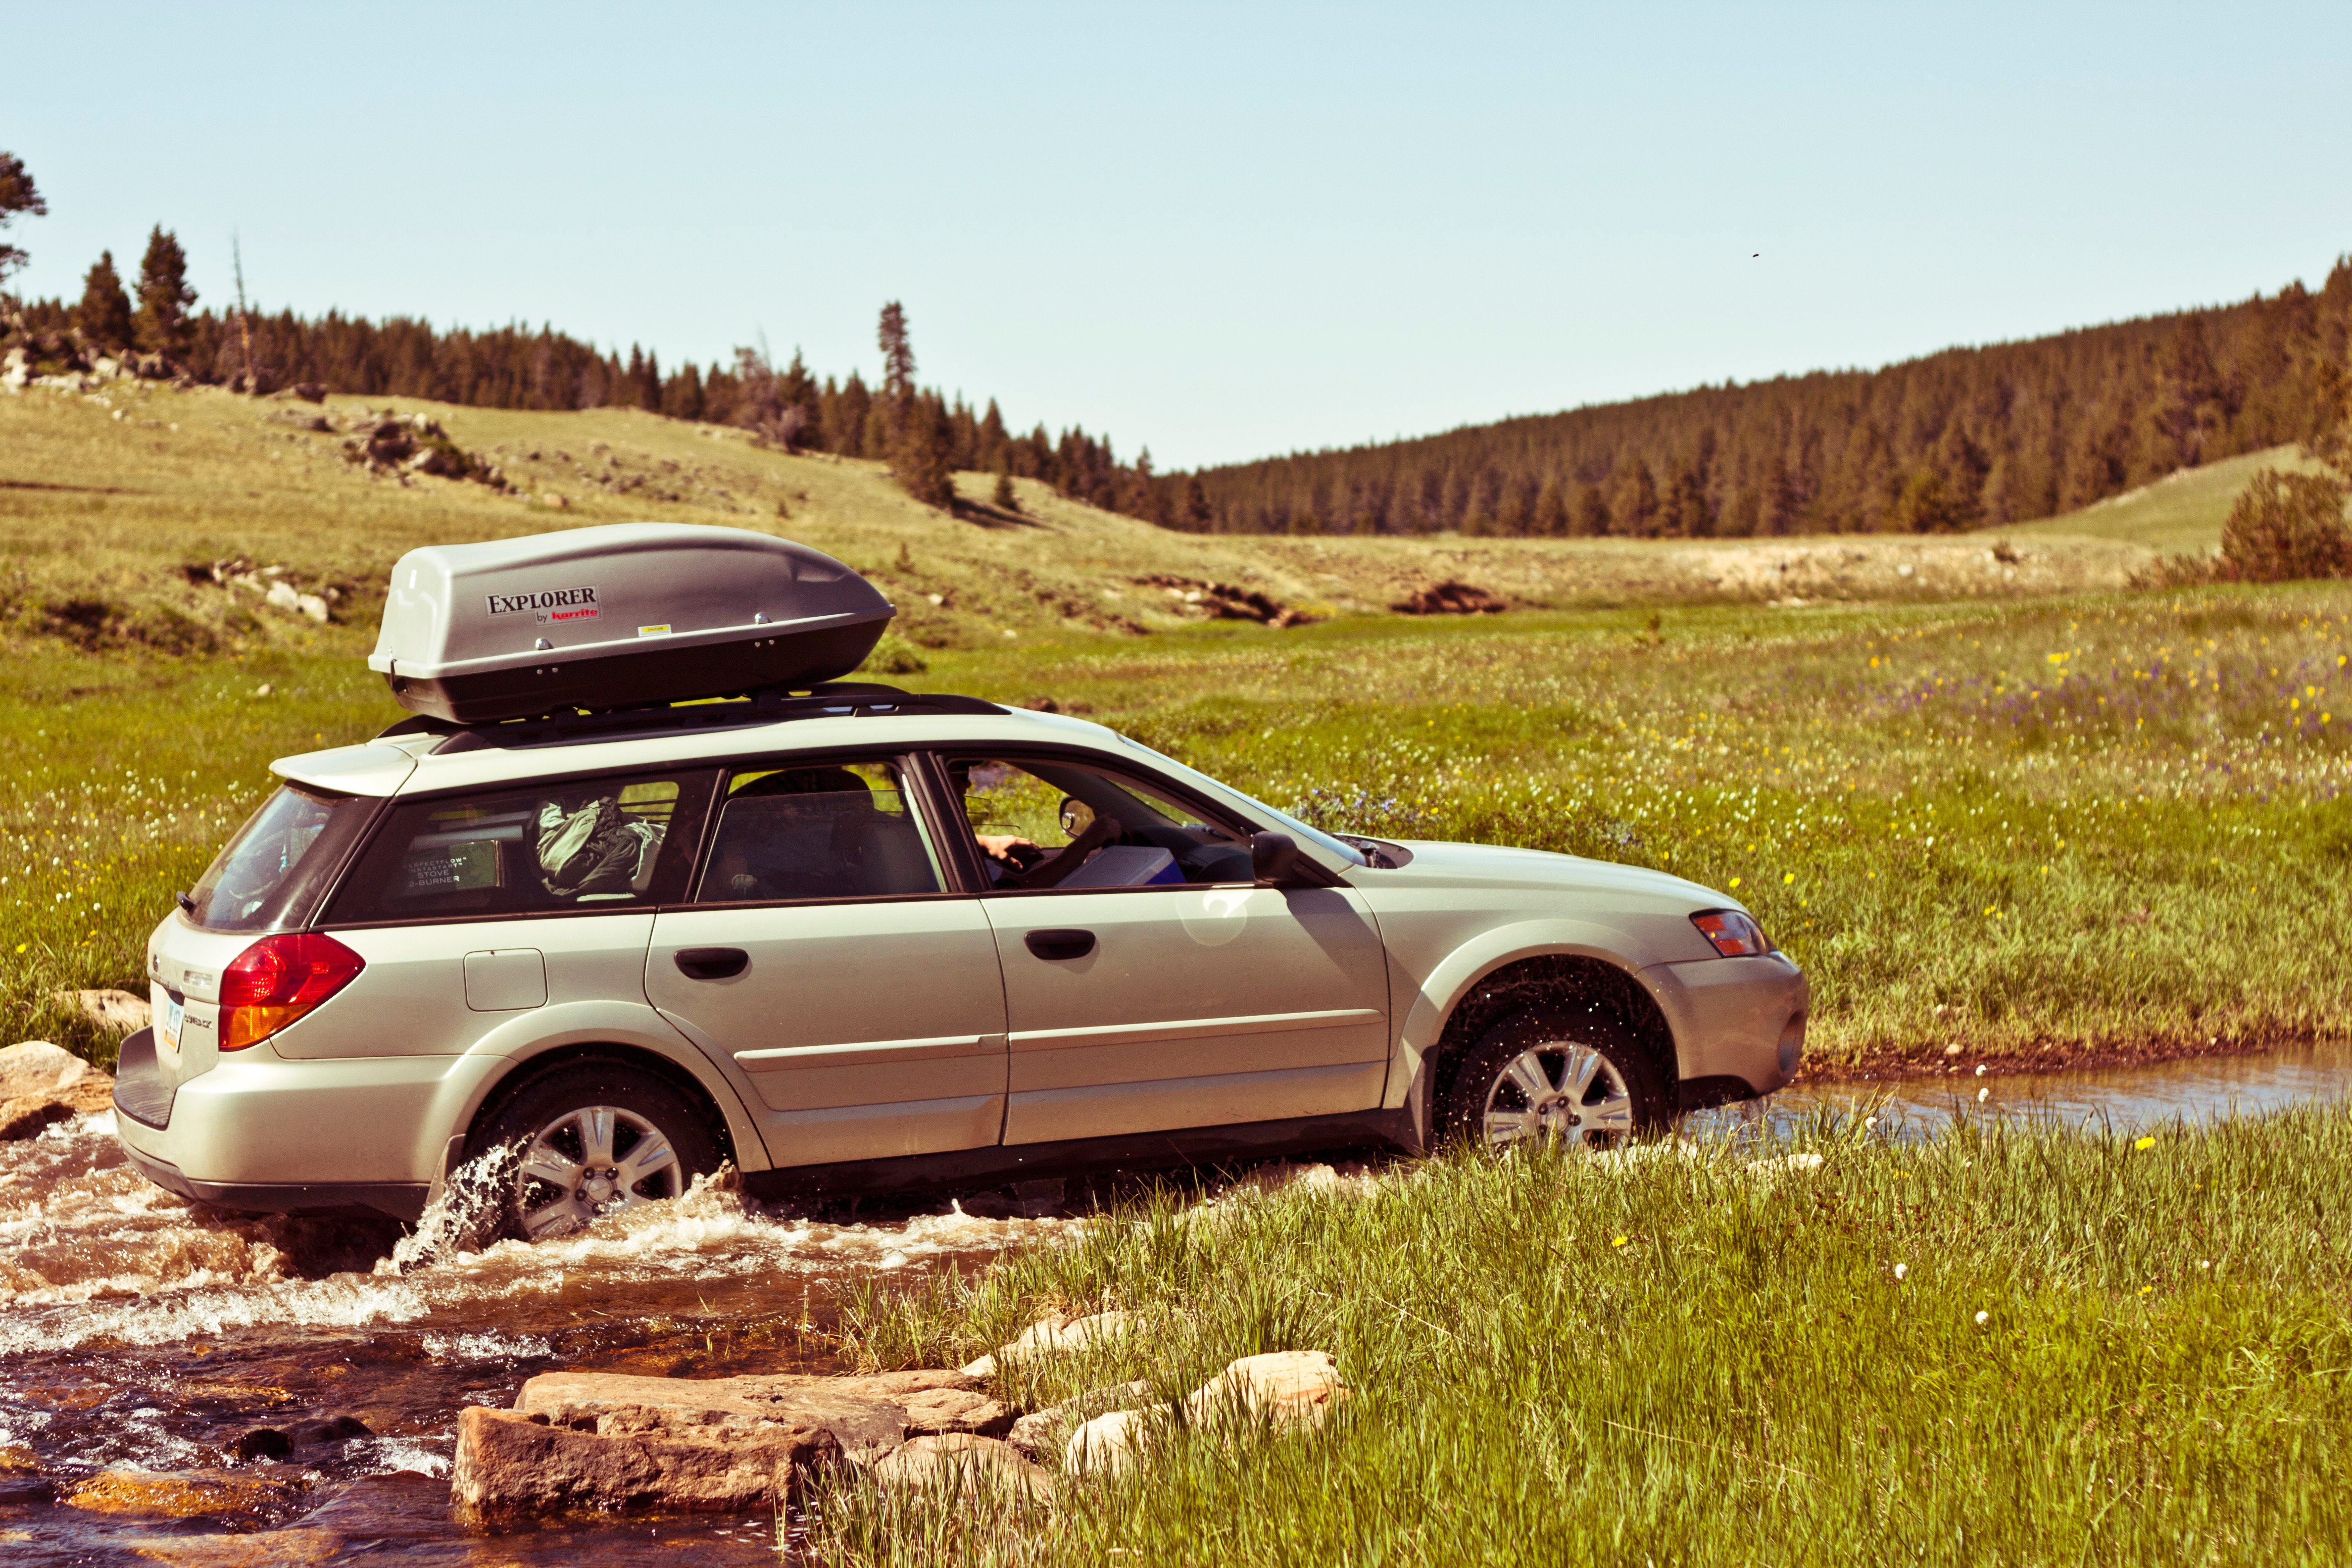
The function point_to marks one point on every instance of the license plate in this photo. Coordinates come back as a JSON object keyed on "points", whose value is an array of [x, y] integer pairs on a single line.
{"points": [[167, 1027]]}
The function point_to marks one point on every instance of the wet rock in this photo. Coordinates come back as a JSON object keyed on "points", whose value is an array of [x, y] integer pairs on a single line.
{"points": [[1050, 1336], [603, 1440], [509, 1463], [21, 1481], [187, 1495], [301, 1547], [1292, 1388], [263, 1443], [27, 1116], [966, 1463], [326, 1429], [1046, 1431]]}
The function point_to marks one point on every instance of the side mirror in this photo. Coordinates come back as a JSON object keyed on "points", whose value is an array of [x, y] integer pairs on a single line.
{"points": [[1273, 856]]}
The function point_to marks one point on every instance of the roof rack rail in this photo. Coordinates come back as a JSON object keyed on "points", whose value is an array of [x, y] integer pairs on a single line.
{"points": [[774, 705]]}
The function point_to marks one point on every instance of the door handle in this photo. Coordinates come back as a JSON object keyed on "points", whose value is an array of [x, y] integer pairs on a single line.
{"points": [[1052, 944], [712, 963]]}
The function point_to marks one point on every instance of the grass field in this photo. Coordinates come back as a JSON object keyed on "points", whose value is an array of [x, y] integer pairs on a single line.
{"points": [[2029, 824], [2006, 1346]]}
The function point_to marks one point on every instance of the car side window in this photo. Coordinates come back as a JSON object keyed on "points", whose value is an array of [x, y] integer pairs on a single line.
{"points": [[833, 830], [1040, 825], [574, 844]]}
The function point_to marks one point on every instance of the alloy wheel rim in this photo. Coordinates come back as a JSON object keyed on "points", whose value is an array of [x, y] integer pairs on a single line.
{"points": [[588, 1163], [1559, 1091]]}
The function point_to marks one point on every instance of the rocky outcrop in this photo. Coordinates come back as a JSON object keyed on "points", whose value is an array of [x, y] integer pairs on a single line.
{"points": [[1451, 597], [605, 1441]]}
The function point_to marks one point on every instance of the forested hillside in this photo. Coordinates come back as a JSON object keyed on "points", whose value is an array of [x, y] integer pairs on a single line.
{"points": [[1958, 439]]}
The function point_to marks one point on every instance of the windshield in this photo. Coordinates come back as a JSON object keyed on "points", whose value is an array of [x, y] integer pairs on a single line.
{"points": [[1346, 853], [280, 862]]}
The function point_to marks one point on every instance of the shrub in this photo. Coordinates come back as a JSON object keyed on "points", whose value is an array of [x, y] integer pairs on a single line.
{"points": [[2285, 526], [894, 655]]}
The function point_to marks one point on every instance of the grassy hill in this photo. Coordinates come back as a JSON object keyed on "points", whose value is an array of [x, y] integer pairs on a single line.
{"points": [[2181, 512], [114, 505]]}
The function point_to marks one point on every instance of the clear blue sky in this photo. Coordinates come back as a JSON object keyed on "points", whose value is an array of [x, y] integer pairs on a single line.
{"points": [[1224, 231]]}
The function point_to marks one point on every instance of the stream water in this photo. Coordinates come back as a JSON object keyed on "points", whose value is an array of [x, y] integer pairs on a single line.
{"points": [[145, 1337]]}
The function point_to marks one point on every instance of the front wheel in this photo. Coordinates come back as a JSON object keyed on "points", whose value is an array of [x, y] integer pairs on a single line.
{"points": [[591, 1140], [1545, 1077]]}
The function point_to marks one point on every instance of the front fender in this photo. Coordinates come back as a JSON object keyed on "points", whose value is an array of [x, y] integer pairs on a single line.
{"points": [[1426, 1000], [533, 1034]]}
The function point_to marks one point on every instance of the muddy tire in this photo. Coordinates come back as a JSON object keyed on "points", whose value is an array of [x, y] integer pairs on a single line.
{"points": [[591, 1139], [1544, 1074]]}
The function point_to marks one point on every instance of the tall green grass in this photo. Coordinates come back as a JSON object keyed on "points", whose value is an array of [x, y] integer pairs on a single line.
{"points": [[2011, 1344]]}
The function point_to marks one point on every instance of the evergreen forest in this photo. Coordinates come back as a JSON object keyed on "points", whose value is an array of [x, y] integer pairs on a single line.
{"points": [[1958, 439]]}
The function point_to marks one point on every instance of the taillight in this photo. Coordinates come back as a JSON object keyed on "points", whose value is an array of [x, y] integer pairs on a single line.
{"points": [[278, 980], [1735, 935]]}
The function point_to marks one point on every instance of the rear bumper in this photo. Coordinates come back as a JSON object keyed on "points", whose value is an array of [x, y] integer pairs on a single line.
{"points": [[1737, 1021], [401, 1200], [263, 1132]]}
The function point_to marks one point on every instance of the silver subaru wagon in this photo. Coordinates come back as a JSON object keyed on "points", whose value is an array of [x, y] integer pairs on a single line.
{"points": [[862, 940]]}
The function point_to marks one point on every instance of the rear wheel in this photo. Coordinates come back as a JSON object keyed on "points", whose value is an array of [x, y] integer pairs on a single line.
{"points": [[593, 1138], [1545, 1077]]}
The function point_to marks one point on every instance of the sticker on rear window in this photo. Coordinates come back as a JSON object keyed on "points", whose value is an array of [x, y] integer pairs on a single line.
{"points": [[550, 607]]}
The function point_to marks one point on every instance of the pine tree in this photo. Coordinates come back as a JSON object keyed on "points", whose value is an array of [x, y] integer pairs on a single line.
{"points": [[104, 314], [1591, 519], [1004, 497], [19, 197], [1552, 509], [164, 297], [898, 353]]}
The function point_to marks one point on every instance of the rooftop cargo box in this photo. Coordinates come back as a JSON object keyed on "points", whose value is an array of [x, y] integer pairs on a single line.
{"points": [[619, 617]]}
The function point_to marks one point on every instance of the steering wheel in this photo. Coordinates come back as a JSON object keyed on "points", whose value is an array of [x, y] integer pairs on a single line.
{"points": [[1051, 870]]}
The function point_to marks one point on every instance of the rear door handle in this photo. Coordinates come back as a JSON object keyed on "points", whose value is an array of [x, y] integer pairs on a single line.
{"points": [[1052, 944], [712, 963]]}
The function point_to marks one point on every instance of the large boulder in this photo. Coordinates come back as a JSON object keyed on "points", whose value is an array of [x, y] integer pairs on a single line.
{"points": [[118, 1012], [42, 1074], [608, 1441], [1290, 1388]]}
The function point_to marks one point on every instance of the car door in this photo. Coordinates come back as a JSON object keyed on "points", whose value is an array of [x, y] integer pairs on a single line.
{"points": [[824, 962], [1156, 988]]}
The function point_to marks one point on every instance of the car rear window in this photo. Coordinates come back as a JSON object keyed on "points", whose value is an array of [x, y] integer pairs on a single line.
{"points": [[273, 871], [578, 843]]}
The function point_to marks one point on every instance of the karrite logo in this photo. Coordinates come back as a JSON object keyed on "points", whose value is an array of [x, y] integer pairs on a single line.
{"points": [[554, 606]]}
